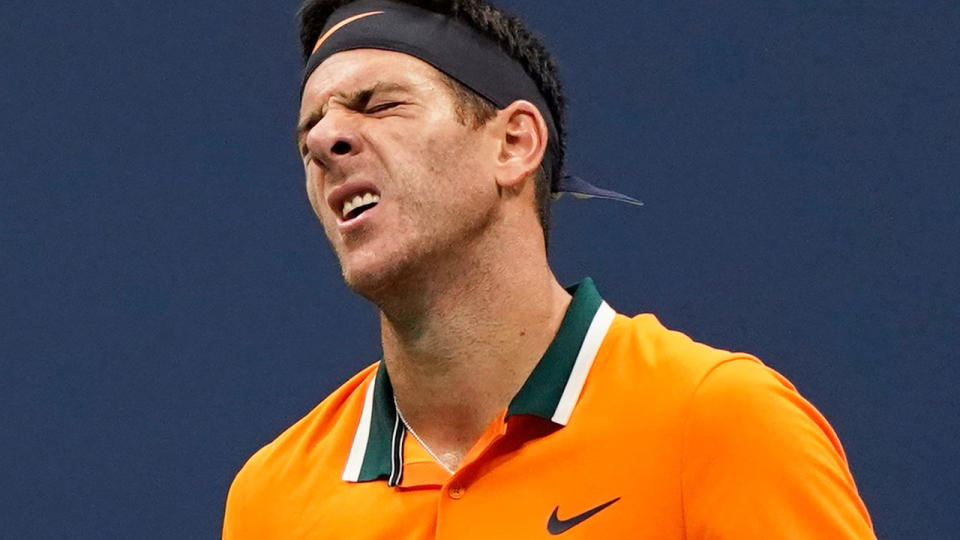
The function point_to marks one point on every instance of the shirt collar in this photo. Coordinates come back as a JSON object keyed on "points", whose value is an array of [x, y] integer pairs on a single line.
{"points": [[550, 392]]}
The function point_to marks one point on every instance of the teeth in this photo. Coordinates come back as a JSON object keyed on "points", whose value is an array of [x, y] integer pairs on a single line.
{"points": [[359, 200]]}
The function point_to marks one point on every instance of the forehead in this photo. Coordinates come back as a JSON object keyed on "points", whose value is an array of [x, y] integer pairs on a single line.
{"points": [[349, 71]]}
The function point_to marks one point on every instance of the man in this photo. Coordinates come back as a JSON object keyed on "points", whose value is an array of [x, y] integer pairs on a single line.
{"points": [[505, 406]]}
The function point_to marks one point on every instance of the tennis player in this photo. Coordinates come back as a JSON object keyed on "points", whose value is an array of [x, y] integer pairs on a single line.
{"points": [[505, 405]]}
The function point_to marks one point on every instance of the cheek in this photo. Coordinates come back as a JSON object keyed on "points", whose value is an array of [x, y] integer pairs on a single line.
{"points": [[318, 205], [312, 195], [462, 170], [437, 171]]}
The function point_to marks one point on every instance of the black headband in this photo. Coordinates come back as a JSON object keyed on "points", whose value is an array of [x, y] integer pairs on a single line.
{"points": [[453, 48]]}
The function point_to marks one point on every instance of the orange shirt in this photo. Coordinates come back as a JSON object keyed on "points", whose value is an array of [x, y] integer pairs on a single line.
{"points": [[623, 430]]}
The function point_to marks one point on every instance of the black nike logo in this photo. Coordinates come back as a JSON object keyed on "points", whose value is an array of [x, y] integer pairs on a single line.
{"points": [[557, 526]]}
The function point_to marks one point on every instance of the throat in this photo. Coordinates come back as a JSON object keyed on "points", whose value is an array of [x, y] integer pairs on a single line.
{"points": [[448, 459], [455, 368]]}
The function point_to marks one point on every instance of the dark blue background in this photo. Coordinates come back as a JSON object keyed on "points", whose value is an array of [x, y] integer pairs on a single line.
{"points": [[168, 303]]}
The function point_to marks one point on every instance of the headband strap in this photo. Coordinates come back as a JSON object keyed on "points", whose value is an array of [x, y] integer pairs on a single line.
{"points": [[451, 47]]}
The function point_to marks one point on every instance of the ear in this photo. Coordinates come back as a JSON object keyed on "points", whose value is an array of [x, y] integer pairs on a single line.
{"points": [[523, 141]]}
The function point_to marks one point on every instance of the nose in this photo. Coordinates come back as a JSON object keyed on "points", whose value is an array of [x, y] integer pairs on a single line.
{"points": [[333, 140]]}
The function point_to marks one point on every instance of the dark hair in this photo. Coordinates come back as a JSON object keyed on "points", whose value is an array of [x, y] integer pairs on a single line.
{"points": [[505, 30]]}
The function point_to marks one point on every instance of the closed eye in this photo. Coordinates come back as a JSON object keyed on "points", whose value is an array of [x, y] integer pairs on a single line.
{"points": [[382, 107]]}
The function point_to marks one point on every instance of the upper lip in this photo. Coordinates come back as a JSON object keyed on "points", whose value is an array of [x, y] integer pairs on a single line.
{"points": [[347, 191]]}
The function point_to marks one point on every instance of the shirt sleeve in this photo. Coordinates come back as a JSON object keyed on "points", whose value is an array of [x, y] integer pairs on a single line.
{"points": [[233, 512], [243, 516], [761, 462]]}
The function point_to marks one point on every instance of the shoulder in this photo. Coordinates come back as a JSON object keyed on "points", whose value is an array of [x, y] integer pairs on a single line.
{"points": [[757, 456], [335, 416], [754, 455], [667, 358], [653, 372], [712, 387], [747, 410], [317, 445]]}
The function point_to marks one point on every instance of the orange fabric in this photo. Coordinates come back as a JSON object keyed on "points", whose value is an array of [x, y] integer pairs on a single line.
{"points": [[691, 441], [419, 467]]}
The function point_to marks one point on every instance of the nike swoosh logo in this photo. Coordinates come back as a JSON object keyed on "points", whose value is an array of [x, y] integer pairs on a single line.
{"points": [[340, 25], [557, 526]]}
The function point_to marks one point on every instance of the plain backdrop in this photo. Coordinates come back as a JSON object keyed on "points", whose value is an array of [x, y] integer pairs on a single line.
{"points": [[168, 303]]}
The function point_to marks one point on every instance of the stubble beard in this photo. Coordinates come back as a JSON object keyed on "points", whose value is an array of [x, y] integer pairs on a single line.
{"points": [[425, 257]]}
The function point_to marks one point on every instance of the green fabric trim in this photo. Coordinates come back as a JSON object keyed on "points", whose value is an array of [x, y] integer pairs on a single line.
{"points": [[377, 458], [539, 395], [541, 392]]}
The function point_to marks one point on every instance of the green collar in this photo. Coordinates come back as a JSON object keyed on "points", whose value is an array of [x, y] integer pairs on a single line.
{"points": [[550, 392]]}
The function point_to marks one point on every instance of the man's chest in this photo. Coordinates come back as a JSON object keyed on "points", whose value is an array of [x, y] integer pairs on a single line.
{"points": [[575, 493]]}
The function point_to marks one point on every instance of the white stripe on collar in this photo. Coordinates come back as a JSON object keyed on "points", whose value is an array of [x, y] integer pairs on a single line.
{"points": [[351, 473], [588, 352]]}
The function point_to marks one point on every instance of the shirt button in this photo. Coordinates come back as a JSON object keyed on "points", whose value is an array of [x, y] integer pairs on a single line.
{"points": [[456, 492]]}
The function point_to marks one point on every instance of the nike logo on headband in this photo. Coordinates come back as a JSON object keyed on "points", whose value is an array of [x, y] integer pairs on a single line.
{"points": [[340, 25]]}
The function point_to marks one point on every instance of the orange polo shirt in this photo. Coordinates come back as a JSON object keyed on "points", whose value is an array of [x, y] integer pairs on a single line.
{"points": [[623, 430]]}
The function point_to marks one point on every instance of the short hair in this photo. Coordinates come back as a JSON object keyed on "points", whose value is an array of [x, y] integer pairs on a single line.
{"points": [[514, 39]]}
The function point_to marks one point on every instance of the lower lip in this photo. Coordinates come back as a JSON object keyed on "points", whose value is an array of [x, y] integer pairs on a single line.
{"points": [[349, 226]]}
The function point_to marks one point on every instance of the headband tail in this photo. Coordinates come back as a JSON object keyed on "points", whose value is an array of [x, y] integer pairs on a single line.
{"points": [[581, 189]]}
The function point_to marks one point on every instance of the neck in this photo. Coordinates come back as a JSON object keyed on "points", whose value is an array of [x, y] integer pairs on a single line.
{"points": [[459, 346]]}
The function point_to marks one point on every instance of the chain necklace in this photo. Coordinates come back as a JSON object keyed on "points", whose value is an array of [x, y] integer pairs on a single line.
{"points": [[417, 437]]}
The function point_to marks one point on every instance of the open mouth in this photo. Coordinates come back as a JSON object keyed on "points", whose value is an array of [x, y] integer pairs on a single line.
{"points": [[359, 204]]}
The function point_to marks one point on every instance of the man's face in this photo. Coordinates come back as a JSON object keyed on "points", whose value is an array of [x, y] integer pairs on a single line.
{"points": [[398, 181]]}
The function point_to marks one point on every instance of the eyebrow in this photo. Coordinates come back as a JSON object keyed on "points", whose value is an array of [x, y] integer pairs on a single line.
{"points": [[356, 101]]}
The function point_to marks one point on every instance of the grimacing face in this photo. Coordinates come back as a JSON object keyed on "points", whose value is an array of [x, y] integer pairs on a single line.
{"points": [[396, 179]]}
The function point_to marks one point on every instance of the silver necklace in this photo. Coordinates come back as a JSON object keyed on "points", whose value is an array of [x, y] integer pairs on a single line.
{"points": [[417, 437]]}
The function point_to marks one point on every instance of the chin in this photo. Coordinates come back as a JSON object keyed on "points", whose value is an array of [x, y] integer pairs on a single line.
{"points": [[371, 278], [388, 275], [367, 285]]}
